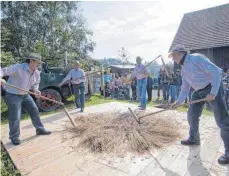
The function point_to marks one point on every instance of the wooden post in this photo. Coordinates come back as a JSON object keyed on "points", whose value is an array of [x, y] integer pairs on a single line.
{"points": [[102, 81]]}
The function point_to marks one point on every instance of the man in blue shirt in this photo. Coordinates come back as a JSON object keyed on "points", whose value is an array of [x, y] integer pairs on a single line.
{"points": [[25, 76], [205, 78], [78, 79]]}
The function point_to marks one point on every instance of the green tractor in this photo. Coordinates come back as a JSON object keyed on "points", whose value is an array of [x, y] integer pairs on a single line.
{"points": [[50, 79]]}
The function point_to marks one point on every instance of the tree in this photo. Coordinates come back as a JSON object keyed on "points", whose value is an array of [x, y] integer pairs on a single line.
{"points": [[124, 55], [51, 28]]}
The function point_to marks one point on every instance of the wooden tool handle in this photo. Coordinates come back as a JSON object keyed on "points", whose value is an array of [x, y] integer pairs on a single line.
{"points": [[192, 102], [145, 67], [43, 97], [167, 73]]}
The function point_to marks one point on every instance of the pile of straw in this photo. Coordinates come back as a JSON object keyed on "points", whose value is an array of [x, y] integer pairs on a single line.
{"points": [[119, 133]]}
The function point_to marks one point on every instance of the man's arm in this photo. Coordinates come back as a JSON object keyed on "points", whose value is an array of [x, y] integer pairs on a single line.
{"points": [[185, 88], [68, 77], [9, 70], [215, 73]]}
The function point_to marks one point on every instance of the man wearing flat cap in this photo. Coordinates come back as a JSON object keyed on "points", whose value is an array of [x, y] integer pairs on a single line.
{"points": [[25, 76], [205, 78], [77, 77]]}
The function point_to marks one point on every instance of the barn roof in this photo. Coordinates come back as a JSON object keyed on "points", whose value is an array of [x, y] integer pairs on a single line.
{"points": [[208, 28]]}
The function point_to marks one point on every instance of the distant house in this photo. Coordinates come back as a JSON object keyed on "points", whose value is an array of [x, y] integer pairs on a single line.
{"points": [[122, 69], [206, 32]]}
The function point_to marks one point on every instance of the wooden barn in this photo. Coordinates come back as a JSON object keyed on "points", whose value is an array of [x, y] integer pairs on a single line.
{"points": [[206, 32]]}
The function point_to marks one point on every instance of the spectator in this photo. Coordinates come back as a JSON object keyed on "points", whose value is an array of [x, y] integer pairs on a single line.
{"points": [[173, 88], [134, 88], [179, 82], [188, 99], [107, 77], [165, 86], [159, 84], [149, 88]]}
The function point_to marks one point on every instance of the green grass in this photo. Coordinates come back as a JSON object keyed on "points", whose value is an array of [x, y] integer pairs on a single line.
{"points": [[7, 166]]}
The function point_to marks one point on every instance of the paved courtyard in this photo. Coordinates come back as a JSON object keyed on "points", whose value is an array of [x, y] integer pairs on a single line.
{"points": [[52, 156]]}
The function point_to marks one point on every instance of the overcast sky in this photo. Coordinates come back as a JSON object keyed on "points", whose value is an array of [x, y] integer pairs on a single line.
{"points": [[144, 28]]}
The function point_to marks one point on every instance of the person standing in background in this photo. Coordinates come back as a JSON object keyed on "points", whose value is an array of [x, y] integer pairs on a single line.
{"points": [[179, 82], [165, 86], [159, 84], [141, 73], [149, 88], [173, 88], [77, 77]]}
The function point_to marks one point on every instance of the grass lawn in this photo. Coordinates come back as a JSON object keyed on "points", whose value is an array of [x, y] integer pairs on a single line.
{"points": [[7, 167]]}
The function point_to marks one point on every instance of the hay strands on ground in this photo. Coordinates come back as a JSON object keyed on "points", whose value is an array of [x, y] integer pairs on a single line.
{"points": [[117, 133], [135, 117]]}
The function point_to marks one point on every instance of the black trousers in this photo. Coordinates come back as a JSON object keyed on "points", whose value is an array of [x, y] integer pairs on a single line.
{"points": [[149, 93]]}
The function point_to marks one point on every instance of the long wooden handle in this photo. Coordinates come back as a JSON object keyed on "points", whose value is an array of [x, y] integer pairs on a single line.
{"points": [[192, 102], [147, 65], [43, 97], [167, 73], [144, 67], [70, 118]]}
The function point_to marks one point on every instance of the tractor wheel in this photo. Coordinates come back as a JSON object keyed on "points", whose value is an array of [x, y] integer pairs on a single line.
{"points": [[46, 105]]}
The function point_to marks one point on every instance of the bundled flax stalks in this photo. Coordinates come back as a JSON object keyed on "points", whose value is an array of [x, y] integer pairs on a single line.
{"points": [[113, 132]]}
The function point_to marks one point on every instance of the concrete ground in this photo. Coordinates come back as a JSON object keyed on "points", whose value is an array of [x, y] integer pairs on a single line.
{"points": [[52, 156]]}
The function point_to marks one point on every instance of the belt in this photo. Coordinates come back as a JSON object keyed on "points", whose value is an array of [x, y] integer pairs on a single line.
{"points": [[142, 78], [208, 86]]}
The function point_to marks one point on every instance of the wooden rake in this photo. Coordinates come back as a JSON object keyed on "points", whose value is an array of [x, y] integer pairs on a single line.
{"points": [[138, 118], [43, 97]]}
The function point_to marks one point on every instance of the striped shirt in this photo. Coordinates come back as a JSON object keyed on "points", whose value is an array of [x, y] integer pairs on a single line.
{"points": [[197, 72], [22, 77]]}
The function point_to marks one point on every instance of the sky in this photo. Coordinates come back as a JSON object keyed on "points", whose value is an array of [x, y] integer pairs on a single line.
{"points": [[143, 28]]}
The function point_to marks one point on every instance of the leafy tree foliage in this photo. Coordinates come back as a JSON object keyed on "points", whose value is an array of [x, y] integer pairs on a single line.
{"points": [[51, 28]]}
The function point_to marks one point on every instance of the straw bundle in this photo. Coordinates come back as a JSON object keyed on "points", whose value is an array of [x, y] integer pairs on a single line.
{"points": [[113, 132]]}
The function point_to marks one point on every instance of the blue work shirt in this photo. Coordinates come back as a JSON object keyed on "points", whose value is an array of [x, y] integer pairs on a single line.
{"points": [[197, 72], [76, 76], [21, 76]]}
